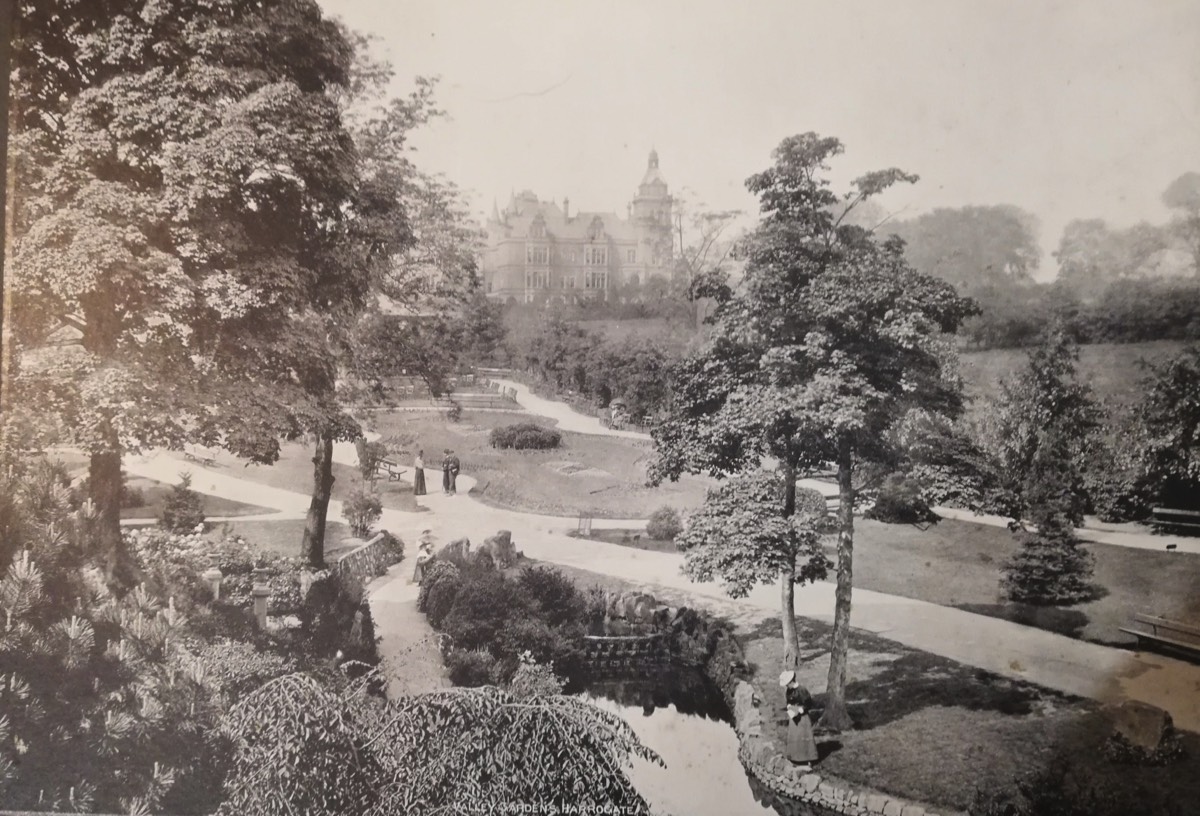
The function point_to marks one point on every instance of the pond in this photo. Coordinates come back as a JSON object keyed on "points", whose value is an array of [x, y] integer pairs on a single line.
{"points": [[682, 716]]}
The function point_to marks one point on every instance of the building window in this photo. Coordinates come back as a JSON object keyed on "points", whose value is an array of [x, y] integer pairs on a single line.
{"points": [[537, 279], [595, 280], [537, 254], [537, 230], [631, 256], [595, 256]]}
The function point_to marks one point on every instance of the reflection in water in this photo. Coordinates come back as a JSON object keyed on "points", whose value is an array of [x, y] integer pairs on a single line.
{"points": [[683, 717]]}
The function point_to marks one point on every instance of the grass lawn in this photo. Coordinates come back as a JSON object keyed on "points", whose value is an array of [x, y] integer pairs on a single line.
{"points": [[282, 537], [956, 563], [1111, 369], [601, 475], [155, 494]]}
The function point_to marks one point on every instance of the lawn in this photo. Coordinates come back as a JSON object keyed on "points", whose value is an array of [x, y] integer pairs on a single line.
{"points": [[956, 563], [637, 538], [1111, 369], [282, 537], [155, 493], [601, 475]]}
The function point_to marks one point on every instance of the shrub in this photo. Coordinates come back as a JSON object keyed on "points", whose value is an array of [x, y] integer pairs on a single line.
{"points": [[553, 596], [482, 607], [525, 436], [472, 667], [533, 679], [337, 617], [370, 454], [664, 524], [501, 548], [435, 570], [900, 502], [183, 509], [1052, 568], [441, 597], [361, 511], [394, 547], [559, 647]]}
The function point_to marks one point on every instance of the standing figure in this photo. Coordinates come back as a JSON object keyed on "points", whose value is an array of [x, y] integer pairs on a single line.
{"points": [[419, 474], [801, 746], [454, 467], [446, 471]]}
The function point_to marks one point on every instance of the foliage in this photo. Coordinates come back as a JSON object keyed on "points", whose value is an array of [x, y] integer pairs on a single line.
{"points": [[900, 501], [742, 536], [471, 668], [370, 456], [1045, 406], [435, 571], [1064, 788], [1183, 197], [1170, 415], [484, 603], [830, 340], [525, 436], [362, 509], [441, 596], [664, 524], [336, 617], [183, 508], [552, 595], [533, 679]]}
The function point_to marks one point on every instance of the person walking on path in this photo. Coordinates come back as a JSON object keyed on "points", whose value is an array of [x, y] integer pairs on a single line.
{"points": [[424, 555], [446, 471], [454, 468], [801, 746], [419, 474]]}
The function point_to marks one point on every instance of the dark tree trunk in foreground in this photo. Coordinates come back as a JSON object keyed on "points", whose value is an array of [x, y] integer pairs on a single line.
{"points": [[836, 716], [787, 580], [312, 546], [104, 481]]}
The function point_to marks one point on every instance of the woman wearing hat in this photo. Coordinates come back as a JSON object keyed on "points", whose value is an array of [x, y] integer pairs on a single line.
{"points": [[801, 747]]}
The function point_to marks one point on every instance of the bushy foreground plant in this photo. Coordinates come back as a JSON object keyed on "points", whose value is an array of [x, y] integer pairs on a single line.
{"points": [[361, 510], [525, 436]]}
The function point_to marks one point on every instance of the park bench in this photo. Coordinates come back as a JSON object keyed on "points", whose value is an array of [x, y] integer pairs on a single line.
{"points": [[390, 469], [1169, 519], [1168, 634]]}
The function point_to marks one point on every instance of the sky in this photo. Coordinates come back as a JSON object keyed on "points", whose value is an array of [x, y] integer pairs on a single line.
{"points": [[1066, 108]]}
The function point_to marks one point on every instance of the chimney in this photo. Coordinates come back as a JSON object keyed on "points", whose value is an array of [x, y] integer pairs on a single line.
{"points": [[566, 208]]}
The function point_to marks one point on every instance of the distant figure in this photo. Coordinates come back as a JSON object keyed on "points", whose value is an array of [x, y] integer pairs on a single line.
{"points": [[454, 467], [801, 747], [419, 474], [424, 554], [446, 471]]}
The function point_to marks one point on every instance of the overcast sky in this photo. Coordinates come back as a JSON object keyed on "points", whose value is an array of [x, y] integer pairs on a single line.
{"points": [[1069, 109]]}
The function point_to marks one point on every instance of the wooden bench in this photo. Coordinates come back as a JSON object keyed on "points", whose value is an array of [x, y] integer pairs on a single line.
{"points": [[1171, 519], [390, 469], [1168, 634]]}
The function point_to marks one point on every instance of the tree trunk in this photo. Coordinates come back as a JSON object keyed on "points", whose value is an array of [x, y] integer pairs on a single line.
{"points": [[312, 546], [104, 482], [787, 579], [836, 716]]}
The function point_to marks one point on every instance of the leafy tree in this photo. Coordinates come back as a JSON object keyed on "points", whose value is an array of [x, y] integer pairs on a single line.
{"points": [[174, 167], [742, 536], [831, 338], [1170, 415], [1091, 255], [1052, 568], [975, 248], [1183, 197], [1046, 403]]}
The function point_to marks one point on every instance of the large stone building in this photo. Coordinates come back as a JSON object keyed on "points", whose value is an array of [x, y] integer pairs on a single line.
{"points": [[537, 250]]}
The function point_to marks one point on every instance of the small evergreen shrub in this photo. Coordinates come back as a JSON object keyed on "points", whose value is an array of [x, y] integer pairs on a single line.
{"points": [[525, 436], [1052, 568], [361, 510], [183, 509], [442, 595], [900, 502], [370, 454], [664, 524], [435, 571], [553, 596], [472, 668]]}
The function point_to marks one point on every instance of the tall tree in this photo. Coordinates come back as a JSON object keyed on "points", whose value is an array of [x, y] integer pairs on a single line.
{"points": [[830, 339], [1170, 415], [1183, 197], [173, 164], [1044, 403], [975, 248]]}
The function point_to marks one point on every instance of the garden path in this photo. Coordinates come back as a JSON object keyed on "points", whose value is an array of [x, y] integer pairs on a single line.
{"points": [[1000, 646], [571, 420]]}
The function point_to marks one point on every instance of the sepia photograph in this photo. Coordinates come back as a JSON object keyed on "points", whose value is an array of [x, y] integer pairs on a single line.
{"points": [[621, 408]]}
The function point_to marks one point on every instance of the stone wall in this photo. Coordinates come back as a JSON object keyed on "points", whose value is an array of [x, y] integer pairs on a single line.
{"points": [[764, 758], [367, 561]]}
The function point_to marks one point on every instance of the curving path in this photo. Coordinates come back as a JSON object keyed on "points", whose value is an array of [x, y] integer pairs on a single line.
{"points": [[1006, 648]]}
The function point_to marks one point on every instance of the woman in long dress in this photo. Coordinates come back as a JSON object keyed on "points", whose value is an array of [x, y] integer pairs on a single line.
{"points": [[419, 474], [424, 555], [801, 746]]}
